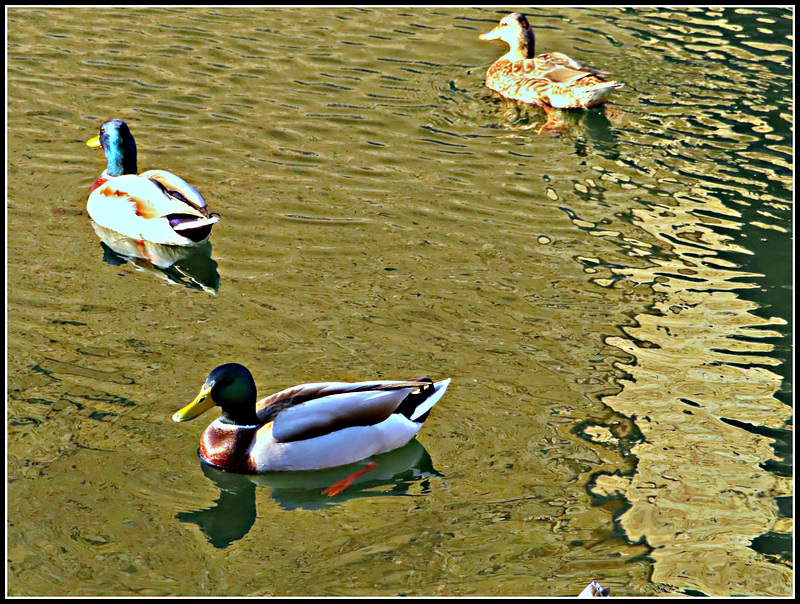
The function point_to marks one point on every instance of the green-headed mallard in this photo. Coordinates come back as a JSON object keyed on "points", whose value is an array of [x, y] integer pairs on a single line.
{"points": [[549, 80], [306, 427], [154, 206]]}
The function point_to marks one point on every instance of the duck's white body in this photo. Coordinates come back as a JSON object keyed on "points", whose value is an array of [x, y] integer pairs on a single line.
{"points": [[273, 449]]}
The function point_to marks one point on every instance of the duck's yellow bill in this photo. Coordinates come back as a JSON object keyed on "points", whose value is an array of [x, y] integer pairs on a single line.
{"points": [[199, 405], [489, 35], [94, 142]]}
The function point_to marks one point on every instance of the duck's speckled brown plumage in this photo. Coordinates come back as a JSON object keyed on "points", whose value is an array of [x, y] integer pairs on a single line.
{"points": [[549, 80]]}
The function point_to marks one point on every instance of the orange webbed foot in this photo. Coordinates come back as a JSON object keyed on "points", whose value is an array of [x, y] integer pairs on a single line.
{"points": [[340, 485]]}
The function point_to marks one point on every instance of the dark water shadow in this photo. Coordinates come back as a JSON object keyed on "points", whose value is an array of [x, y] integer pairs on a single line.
{"points": [[235, 511]]}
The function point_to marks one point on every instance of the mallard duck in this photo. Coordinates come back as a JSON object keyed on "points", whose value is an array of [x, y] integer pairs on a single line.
{"points": [[306, 427], [154, 206], [595, 590], [549, 80]]}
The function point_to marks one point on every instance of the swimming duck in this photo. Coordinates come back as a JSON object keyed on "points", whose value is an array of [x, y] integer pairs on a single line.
{"points": [[155, 206], [550, 80], [306, 427]]}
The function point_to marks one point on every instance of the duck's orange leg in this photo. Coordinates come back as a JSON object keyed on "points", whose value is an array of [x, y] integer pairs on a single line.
{"points": [[550, 123], [340, 485]]}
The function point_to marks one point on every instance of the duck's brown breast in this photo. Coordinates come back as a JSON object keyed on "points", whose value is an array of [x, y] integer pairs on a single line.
{"points": [[227, 445]]}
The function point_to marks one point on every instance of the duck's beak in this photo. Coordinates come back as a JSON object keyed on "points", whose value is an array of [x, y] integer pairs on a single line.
{"points": [[490, 35], [202, 403], [94, 142]]}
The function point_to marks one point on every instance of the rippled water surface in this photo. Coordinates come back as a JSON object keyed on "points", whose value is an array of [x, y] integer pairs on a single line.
{"points": [[611, 297]]}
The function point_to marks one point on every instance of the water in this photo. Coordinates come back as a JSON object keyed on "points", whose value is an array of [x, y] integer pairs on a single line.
{"points": [[612, 301]]}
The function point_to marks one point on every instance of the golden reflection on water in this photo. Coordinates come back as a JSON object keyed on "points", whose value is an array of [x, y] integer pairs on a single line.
{"points": [[698, 487], [386, 215]]}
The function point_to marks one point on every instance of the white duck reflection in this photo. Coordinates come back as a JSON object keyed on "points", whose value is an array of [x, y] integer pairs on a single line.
{"points": [[190, 266]]}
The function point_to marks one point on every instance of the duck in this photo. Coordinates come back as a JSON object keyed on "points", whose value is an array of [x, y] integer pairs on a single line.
{"points": [[595, 590], [551, 80], [154, 206], [306, 427]]}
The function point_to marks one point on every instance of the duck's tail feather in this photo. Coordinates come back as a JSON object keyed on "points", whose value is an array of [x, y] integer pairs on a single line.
{"points": [[419, 403], [191, 227]]}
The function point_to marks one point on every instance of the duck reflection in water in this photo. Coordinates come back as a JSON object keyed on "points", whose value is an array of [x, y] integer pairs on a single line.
{"points": [[235, 513], [190, 266], [589, 128]]}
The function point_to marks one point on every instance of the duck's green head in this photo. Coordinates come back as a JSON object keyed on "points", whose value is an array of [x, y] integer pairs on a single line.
{"points": [[119, 147], [232, 388]]}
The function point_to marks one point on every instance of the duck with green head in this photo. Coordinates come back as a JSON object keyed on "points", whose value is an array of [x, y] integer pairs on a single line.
{"points": [[310, 426], [155, 206], [550, 80]]}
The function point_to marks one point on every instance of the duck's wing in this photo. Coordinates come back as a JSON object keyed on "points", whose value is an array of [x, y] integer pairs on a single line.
{"points": [[551, 60], [526, 72], [563, 75], [312, 410], [189, 216], [179, 189]]}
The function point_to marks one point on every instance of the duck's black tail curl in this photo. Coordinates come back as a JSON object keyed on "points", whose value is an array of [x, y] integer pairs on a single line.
{"points": [[416, 398]]}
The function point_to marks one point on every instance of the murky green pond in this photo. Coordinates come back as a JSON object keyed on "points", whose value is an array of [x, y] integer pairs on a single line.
{"points": [[611, 299]]}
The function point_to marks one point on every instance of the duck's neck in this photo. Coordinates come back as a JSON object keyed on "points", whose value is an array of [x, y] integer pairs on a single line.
{"points": [[243, 414], [241, 417], [121, 159], [524, 46]]}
